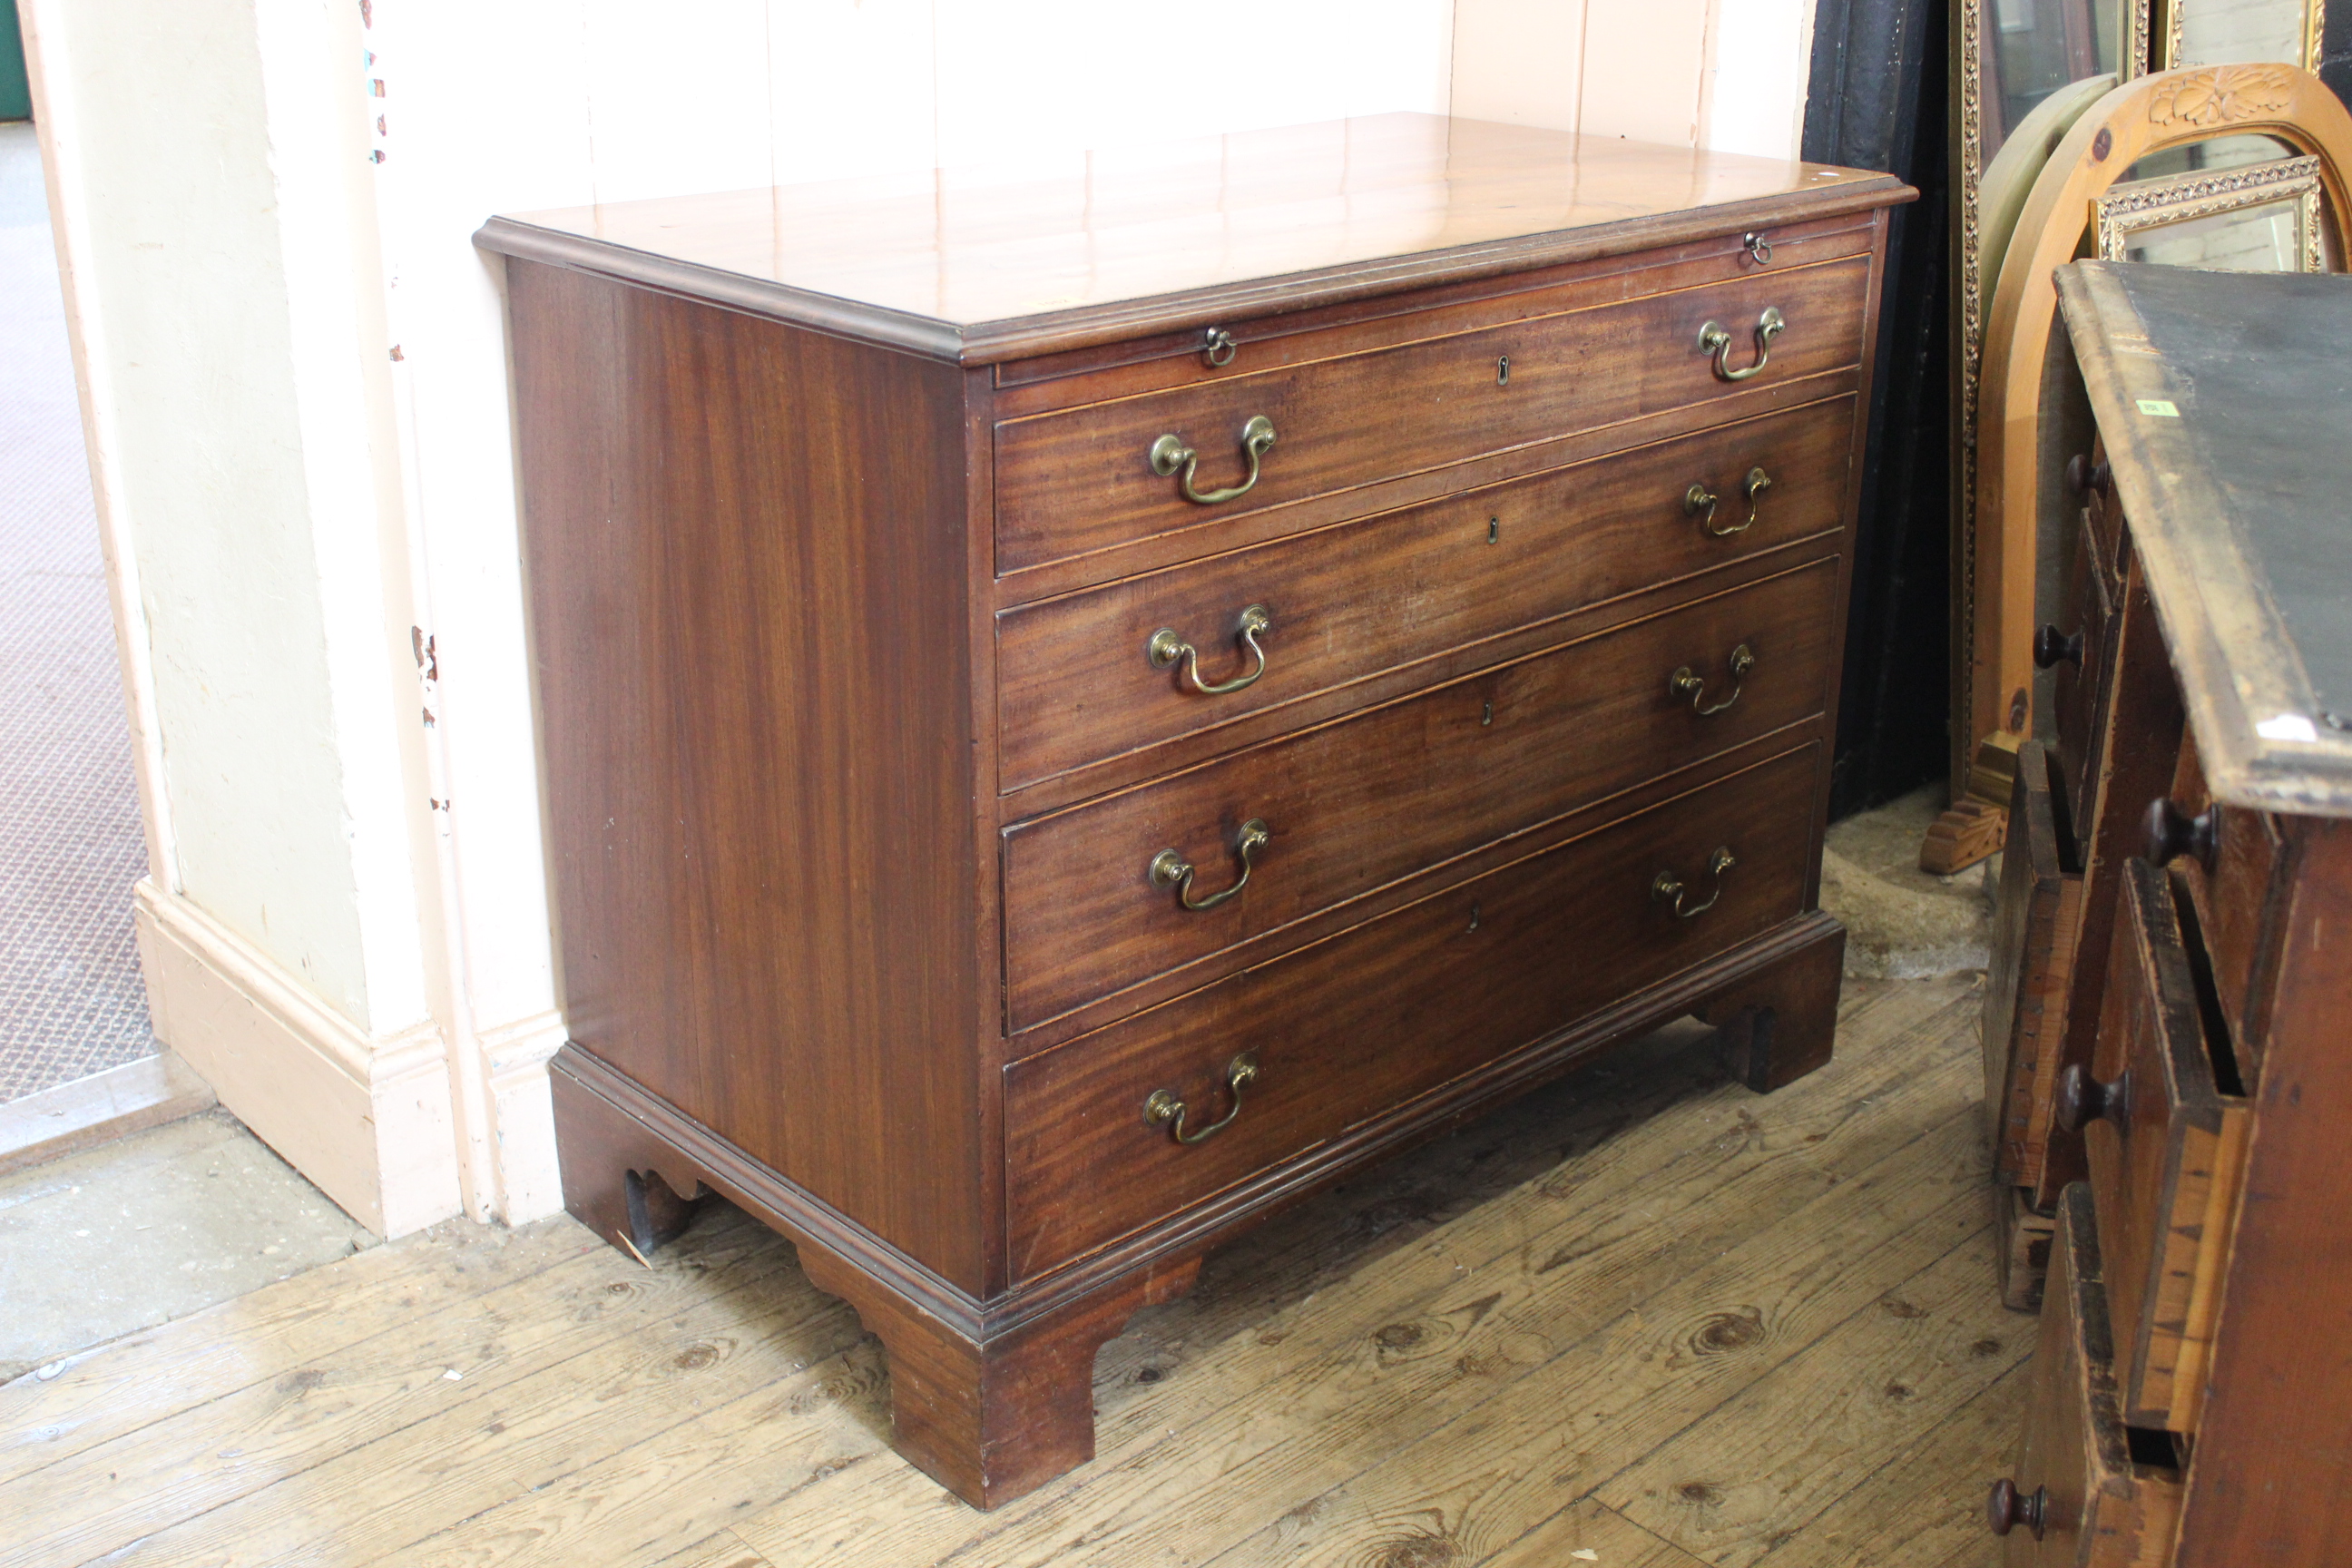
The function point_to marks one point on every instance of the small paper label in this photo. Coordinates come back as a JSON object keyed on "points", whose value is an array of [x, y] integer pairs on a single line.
{"points": [[2159, 408]]}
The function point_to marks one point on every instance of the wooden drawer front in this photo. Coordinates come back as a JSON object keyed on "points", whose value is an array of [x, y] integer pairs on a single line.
{"points": [[1082, 480], [2084, 1498], [1351, 601], [2165, 1156], [1361, 1023], [1355, 804], [2032, 963], [2236, 875], [2084, 643]]}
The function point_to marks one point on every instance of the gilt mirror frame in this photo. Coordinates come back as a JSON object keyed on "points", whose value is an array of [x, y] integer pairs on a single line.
{"points": [[2138, 207], [2146, 34]]}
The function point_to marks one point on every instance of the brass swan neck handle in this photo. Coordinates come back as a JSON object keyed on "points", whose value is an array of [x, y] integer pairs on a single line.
{"points": [[1667, 888], [1686, 682], [1715, 338], [1170, 870], [1700, 502], [1169, 456], [1165, 1110], [1166, 648]]}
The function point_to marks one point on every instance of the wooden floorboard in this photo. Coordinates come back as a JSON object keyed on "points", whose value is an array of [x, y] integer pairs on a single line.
{"points": [[1642, 1314]]}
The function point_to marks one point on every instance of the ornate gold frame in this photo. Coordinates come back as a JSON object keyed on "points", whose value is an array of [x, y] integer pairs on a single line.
{"points": [[1968, 321], [2315, 23], [2128, 209]]}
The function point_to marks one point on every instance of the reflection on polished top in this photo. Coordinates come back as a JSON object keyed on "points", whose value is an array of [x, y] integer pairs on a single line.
{"points": [[1339, 209]]}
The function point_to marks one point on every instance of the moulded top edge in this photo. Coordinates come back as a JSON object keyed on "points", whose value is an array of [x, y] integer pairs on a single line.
{"points": [[987, 264]]}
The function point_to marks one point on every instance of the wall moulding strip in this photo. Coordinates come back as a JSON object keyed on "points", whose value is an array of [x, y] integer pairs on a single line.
{"points": [[367, 1118]]}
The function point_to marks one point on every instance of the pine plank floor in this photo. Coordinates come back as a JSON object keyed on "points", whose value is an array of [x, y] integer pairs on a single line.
{"points": [[1642, 1318]]}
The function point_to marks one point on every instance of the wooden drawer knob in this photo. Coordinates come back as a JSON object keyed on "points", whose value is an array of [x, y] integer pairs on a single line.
{"points": [[2052, 646], [2172, 832], [2083, 476], [2082, 1100], [2008, 1508]]}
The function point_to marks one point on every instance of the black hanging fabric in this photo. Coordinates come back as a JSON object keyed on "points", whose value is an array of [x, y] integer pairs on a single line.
{"points": [[1877, 101]]}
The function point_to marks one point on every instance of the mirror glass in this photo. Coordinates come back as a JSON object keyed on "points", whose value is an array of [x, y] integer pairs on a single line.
{"points": [[2265, 238], [2224, 32], [2221, 153], [2033, 48]]}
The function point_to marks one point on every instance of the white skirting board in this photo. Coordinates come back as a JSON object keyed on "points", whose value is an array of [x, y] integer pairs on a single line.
{"points": [[522, 1119], [367, 1118]]}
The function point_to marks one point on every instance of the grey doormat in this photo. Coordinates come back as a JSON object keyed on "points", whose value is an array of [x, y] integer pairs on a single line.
{"points": [[71, 1000]]}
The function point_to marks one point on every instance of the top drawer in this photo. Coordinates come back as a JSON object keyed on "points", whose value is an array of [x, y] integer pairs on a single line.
{"points": [[1082, 480]]}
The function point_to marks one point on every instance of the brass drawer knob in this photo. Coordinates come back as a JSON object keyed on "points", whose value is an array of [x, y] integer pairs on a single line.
{"points": [[1170, 455], [1699, 502], [2172, 832], [1688, 683], [1166, 648], [2008, 1508], [1715, 338], [1667, 888], [1170, 869], [2081, 1100], [2053, 648], [1164, 1110]]}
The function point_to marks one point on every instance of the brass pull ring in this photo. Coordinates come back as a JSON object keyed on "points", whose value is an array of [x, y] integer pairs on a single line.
{"points": [[1667, 888], [1170, 455], [1170, 869], [1714, 338], [1218, 348], [1759, 248], [1164, 1110], [1699, 502], [1686, 682], [1166, 648]]}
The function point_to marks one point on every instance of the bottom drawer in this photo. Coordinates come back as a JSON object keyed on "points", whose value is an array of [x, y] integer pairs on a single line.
{"points": [[1353, 1025], [2087, 1492]]}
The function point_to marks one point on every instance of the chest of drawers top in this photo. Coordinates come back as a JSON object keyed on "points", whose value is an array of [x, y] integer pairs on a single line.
{"points": [[998, 263]]}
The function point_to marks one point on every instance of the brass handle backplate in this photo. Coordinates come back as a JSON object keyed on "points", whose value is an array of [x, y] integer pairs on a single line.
{"points": [[1166, 648], [1165, 1110], [1686, 682], [1170, 455], [1667, 888], [1170, 869], [1714, 338], [1700, 501]]}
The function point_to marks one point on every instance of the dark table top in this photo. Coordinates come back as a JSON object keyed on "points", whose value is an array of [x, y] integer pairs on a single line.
{"points": [[2238, 501]]}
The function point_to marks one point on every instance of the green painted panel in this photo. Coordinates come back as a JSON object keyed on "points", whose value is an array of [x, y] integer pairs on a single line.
{"points": [[15, 91]]}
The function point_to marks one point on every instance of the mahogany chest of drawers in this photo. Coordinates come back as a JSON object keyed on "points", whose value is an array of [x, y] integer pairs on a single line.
{"points": [[2168, 1064], [1077, 710]]}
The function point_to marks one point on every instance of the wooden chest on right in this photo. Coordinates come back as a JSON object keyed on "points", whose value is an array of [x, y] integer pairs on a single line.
{"points": [[2168, 1021]]}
